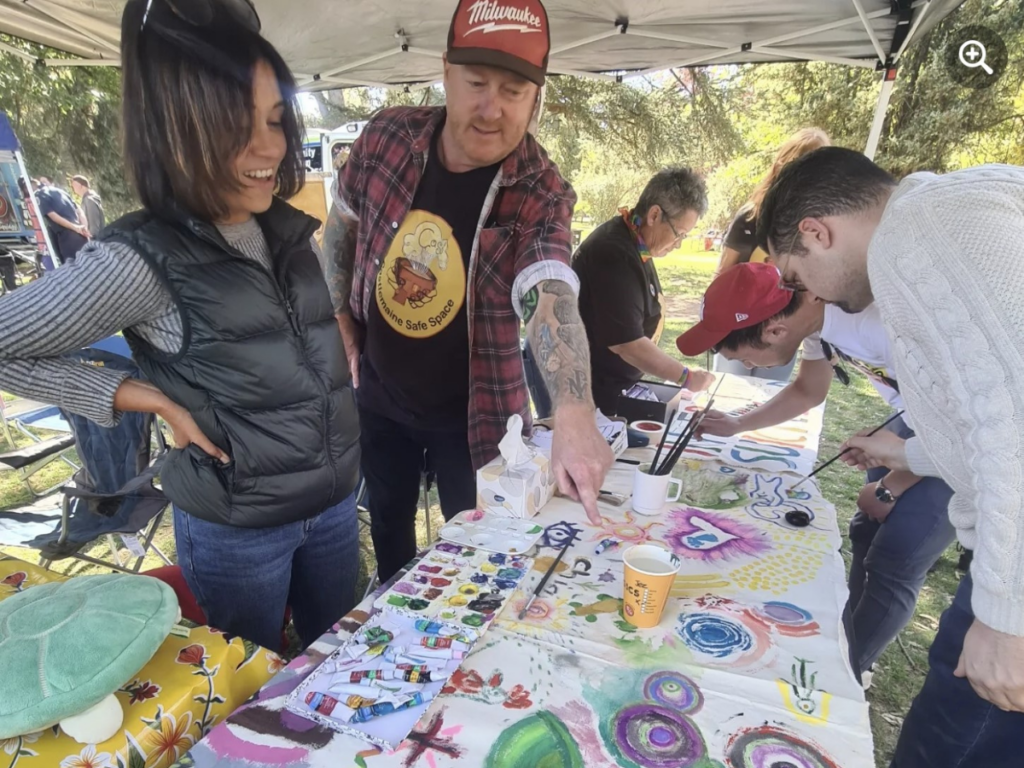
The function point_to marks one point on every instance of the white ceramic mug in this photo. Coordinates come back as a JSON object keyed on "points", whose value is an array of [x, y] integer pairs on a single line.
{"points": [[650, 492]]}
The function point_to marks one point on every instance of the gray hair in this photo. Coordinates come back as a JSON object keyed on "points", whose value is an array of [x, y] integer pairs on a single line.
{"points": [[674, 190]]}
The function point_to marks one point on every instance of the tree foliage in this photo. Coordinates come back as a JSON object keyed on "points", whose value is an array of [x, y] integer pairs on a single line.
{"points": [[608, 137]]}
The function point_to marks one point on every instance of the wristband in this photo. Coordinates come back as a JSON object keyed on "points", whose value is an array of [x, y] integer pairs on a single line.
{"points": [[684, 378]]}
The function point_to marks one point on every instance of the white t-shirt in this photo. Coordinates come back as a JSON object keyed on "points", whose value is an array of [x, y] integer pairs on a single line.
{"points": [[860, 341]]}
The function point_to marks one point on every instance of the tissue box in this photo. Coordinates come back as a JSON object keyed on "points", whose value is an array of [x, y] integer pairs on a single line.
{"points": [[515, 492]]}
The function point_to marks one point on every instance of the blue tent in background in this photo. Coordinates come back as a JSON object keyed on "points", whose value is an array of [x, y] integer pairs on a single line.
{"points": [[15, 221]]}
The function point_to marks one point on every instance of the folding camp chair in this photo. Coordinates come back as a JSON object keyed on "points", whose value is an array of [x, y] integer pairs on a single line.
{"points": [[27, 417], [112, 496]]}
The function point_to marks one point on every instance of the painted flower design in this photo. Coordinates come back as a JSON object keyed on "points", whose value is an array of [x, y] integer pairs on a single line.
{"points": [[167, 739], [628, 532], [194, 655], [464, 682], [139, 691], [518, 698], [15, 580], [275, 663], [88, 758], [606, 577]]}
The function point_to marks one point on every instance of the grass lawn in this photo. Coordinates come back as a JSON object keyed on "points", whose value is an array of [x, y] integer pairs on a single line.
{"points": [[684, 276]]}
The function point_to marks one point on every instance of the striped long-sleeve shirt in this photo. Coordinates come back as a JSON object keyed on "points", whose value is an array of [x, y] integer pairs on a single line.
{"points": [[107, 289]]}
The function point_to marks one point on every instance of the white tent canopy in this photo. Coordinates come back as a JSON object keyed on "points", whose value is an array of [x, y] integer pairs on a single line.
{"points": [[338, 43]]}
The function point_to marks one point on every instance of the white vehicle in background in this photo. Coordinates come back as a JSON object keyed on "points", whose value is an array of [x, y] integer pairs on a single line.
{"points": [[315, 197]]}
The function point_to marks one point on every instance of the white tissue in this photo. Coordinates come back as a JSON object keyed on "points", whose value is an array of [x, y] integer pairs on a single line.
{"points": [[514, 451]]}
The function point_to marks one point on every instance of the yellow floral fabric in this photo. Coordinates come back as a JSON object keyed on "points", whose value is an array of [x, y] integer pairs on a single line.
{"points": [[190, 685]]}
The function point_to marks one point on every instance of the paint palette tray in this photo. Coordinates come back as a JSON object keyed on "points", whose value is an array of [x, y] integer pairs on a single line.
{"points": [[456, 584], [490, 532]]}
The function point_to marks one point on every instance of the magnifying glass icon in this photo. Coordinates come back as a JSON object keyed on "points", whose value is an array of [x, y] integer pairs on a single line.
{"points": [[972, 55]]}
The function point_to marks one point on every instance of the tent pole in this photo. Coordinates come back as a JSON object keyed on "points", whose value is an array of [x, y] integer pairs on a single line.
{"points": [[35, 204], [888, 80]]}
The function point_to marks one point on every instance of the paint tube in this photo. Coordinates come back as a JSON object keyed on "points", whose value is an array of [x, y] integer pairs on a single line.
{"points": [[387, 708], [418, 654], [444, 642], [434, 628], [368, 676], [373, 636], [398, 656], [605, 545]]}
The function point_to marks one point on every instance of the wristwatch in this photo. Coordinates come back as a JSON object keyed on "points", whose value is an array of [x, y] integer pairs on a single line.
{"points": [[884, 495]]}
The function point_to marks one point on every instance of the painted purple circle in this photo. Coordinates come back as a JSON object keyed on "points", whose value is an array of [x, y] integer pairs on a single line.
{"points": [[657, 737], [785, 613], [675, 691]]}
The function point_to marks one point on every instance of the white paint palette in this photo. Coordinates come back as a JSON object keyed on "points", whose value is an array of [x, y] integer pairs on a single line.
{"points": [[461, 585], [492, 533]]}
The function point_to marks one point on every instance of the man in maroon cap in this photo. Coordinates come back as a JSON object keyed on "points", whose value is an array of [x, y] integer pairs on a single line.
{"points": [[901, 526], [450, 227]]}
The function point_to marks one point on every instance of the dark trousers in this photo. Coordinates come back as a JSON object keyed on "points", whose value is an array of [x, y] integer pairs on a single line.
{"points": [[535, 384], [394, 457], [949, 725], [891, 560], [68, 244]]}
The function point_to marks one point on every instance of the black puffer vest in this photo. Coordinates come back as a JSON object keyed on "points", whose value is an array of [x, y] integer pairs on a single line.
{"points": [[262, 370]]}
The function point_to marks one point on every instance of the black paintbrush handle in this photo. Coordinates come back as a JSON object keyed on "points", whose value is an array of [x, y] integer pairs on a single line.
{"points": [[661, 443], [843, 452]]}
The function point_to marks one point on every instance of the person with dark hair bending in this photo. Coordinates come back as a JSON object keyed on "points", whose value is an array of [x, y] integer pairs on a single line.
{"points": [[941, 257], [620, 294], [221, 295]]}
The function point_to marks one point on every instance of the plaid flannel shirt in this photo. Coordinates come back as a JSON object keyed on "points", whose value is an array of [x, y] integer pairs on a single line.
{"points": [[523, 238]]}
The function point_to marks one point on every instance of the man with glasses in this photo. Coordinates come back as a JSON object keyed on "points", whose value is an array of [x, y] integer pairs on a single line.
{"points": [[620, 292]]}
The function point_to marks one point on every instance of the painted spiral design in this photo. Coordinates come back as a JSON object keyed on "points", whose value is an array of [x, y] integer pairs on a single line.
{"points": [[656, 737], [715, 636], [675, 691], [771, 748]]}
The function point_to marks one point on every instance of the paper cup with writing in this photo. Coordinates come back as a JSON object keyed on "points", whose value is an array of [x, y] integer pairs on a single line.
{"points": [[650, 492], [650, 572]]}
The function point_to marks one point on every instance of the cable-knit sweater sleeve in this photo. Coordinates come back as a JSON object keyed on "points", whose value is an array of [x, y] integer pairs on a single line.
{"points": [[947, 271]]}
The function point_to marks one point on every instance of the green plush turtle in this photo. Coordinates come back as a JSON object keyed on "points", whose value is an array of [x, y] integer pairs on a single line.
{"points": [[65, 648]]}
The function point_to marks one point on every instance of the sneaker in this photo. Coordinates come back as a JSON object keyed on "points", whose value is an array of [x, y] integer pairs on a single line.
{"points": [[865, 679]]}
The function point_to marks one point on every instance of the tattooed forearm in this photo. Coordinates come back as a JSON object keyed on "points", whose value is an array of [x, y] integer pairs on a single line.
{"points": [[559, 341], [340, 252]]}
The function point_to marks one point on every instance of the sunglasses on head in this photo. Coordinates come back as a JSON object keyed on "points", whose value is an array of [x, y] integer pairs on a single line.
{"points": [[201, 13]]}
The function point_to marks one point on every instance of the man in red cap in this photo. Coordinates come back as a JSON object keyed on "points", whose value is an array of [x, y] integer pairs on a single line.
{"points": [[901, 526], [451, 227]]}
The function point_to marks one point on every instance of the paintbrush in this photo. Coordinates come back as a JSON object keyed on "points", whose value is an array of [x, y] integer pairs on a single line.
{"points": [[842, 453], [544, 580], [661, 443], [682, 436], [687, 435]]}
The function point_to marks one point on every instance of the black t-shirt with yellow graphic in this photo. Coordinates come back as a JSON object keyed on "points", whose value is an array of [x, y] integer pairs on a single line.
{"points": [[415, 365]]}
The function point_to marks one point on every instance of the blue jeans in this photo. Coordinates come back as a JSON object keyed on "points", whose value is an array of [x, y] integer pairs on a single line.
{"points": [[243, 578], [891, 560], [775, 373], [949, 725]]}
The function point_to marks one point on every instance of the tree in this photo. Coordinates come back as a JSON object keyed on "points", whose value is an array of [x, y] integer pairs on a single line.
{"points": [[68, 120]]}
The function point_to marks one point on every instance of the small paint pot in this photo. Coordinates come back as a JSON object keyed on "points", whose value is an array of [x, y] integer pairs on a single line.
{"points": [[652, 430], [798, 518]]}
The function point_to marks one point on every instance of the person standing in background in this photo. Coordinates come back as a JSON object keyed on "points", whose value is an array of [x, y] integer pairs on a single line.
{"points": [[92, 206], [68, 232], [620, 294], [739, 245]]}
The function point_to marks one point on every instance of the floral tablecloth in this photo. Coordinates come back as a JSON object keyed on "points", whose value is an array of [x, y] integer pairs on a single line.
{"points": [[188, 687], [747, 669]]}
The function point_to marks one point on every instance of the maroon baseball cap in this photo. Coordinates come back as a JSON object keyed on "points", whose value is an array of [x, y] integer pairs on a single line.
{"points": [[510, 34], [742, 296]]}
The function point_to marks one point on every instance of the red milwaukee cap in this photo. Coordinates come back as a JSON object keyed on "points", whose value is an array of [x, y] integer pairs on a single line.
{"points": [[742, 296], [510, 34]]}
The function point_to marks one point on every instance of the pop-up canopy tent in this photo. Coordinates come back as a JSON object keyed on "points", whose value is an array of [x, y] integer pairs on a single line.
{"points": [[338, 43]]}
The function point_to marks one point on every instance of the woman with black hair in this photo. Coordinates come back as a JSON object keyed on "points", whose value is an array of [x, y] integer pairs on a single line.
{"points": [[219, 291]]}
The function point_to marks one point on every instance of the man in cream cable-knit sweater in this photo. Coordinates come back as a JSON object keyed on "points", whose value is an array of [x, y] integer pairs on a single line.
{"points": [[943, 257]]}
